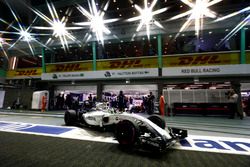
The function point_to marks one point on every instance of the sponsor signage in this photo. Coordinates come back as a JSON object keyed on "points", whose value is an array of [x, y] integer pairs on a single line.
{"points": [[181, 61], [201, 60], [241, 69], [69, 67], [248, 57], [24, 73], [107, 74], [151, 62]]}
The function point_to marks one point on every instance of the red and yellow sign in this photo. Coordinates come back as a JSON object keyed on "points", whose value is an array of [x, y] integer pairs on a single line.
{"points": [[150, 62], [248, 57], [24, 72], [128, 63], [201, 60], [69, 67]]}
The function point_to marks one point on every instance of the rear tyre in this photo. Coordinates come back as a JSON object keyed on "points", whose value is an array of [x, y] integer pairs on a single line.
{"points": [[158, 120], [127, 133], [70, 117]]}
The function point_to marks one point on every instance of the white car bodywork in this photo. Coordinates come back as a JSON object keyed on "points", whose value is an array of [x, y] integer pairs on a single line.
{"points": [[144, 131], [95, 118]]}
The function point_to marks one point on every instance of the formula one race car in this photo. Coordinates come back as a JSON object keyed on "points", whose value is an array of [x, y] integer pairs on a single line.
{"points": [[130, 129]]}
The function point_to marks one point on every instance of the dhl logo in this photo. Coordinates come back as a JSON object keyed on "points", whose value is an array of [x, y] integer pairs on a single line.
{"points": [[206, 59], [125, 64], [67, 67], [198, 60], [26, 72]]}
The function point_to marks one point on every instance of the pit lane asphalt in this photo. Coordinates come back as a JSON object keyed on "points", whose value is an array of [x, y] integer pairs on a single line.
{"points": [[25, 150], [32, 150], [205, 126]]}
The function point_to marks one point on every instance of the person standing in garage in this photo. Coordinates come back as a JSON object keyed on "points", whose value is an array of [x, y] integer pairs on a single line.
{"points": [[44, 102], [151, 99], [121, 99]]}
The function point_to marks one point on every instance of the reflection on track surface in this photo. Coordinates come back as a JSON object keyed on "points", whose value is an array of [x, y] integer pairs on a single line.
{"points": [[196, 143], [40, 151]]}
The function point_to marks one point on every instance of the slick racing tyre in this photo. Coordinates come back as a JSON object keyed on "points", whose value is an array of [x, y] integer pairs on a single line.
{"points": [[126, 133], [70, 117], [158, 120]]}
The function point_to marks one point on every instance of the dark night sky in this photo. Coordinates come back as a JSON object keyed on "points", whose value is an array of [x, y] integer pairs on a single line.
{"points": [[124, 6], [125, 9]]}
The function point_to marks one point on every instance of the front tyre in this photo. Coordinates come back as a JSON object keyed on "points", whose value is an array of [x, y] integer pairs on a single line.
{"points": [[127, 133], [70, 117], [158, 120]]}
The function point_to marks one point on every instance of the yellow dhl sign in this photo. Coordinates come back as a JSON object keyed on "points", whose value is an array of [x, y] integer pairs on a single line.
{"points": [[35, 72], [69, 67], [248, 57], [128, 63], [201, 60], [152, 62]]}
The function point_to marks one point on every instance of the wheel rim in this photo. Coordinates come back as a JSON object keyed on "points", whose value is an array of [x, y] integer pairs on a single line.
{"points": [[126, 133]]}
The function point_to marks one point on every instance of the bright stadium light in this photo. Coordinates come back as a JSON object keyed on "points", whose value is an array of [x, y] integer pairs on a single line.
{"points": [[26, 36], [57, 25], [147, 16], [96, 21], [23, 32], [198, 11], [59, 28]]}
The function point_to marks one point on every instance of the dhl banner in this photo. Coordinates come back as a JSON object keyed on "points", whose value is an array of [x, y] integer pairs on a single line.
{"points": [[151, 62], [248, 57], [69, 67], [25, 73], [212, 59], [201, 60]]}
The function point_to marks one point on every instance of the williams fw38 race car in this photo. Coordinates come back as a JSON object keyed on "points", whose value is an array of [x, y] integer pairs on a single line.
{"points": [[131, 130]]}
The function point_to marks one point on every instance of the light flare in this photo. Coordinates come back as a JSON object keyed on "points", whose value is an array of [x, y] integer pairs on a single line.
{"points": [[96, 21], [239, 26], [23, 32], [59, 28], [199, 10], [147, 16], [57, 25], [26, 36]]}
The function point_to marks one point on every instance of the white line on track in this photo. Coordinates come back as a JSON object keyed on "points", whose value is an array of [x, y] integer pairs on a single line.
{"points": [[193, 142]]}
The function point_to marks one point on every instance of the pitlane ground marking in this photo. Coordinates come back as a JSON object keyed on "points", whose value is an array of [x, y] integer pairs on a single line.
{"points": [[49, 130], [216, 144], [192, 142], [4, 115]]}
